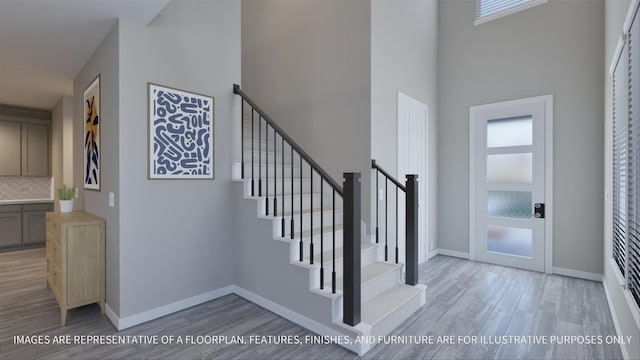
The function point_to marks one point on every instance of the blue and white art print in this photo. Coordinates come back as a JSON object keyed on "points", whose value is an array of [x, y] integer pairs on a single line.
{"points": [[180, 134]]}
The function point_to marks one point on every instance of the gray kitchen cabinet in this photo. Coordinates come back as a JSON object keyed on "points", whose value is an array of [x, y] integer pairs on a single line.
{"points": [[10, 225], [24, 149], [10, 136], [23, 226], [34, 223], [35, 150]]}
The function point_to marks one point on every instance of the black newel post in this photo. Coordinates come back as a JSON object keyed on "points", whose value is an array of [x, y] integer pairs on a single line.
{"points": [[412, 230], [352, 240]]}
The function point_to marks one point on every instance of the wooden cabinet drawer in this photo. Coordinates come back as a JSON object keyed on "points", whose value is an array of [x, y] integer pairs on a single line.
{"points": [[75, 254]]}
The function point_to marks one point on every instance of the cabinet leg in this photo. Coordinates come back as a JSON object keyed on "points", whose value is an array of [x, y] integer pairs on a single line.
{"points": [[101, 303], [63, 317]]}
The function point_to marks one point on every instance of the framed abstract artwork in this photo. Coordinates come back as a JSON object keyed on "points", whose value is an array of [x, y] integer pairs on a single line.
{"points": [[92, 120], [180, 134]]}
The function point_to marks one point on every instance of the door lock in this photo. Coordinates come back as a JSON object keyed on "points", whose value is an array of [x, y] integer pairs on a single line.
{"points": [[538, 211]]}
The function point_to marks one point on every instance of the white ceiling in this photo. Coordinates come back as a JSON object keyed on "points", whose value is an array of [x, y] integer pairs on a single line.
{"points": [[45, 43]]}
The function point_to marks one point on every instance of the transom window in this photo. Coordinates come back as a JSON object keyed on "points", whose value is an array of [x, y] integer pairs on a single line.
{"points": [[487, 10]]}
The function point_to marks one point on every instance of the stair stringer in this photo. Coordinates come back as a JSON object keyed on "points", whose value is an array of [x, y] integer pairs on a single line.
{"points": [[265, 267]]}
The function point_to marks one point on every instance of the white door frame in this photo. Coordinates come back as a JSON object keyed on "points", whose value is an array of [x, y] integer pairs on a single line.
{"points": [[423, 183], [548, 230]]}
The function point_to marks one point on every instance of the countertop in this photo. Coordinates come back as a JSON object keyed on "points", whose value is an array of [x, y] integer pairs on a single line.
{"points": [[25, 201]]}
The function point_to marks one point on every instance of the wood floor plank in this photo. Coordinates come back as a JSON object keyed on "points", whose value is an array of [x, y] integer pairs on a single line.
{"points": [[463, 299]]}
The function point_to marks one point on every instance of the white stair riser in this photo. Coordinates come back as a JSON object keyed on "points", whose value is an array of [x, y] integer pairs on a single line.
{"points": [[327, 242], [397, 317], [378, 285], [375, 286], [306, 187], [306, 202], [367, 257], [306, 221]]}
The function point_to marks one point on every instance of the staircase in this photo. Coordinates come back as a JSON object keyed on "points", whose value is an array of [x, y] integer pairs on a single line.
{"points": [[307, 265]]}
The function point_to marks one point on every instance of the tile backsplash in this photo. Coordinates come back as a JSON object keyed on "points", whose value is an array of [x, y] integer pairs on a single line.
{"points": [[19, 188]]}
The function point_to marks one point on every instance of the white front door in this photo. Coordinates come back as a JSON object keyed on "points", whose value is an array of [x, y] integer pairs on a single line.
{"points": [[508, 182], [413, 117]]}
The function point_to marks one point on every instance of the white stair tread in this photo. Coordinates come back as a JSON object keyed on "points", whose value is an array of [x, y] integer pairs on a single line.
{"points": [[328, 255], [376, 309], [327, 231], [297, 196], [287, 179], [256, 164], [367, 273], [307, 212]]}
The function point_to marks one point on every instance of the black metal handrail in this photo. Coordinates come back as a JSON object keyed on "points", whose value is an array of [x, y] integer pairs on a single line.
{"points": [[325, 175], [351, 204], [411, 220], [375, 166]]}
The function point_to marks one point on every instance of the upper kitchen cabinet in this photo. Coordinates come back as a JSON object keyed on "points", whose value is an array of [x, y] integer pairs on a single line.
{"points": [[35, 150], [10, 148], [24, 142]]}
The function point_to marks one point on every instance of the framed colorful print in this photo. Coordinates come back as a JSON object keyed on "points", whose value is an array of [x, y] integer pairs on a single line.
{"points": [[92, 120], [180, 134]]}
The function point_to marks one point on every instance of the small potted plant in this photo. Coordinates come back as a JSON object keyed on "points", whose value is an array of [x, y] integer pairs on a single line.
{"points": [[66, 195]]}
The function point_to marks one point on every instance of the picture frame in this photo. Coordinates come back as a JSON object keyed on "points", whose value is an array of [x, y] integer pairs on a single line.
{"points": [[181, 133], [91, 140]]}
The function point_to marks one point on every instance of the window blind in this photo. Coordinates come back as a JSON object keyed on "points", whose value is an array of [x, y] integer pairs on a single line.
{"points": [[626, 158], [633, 167], [620, 111], [490, 9]]}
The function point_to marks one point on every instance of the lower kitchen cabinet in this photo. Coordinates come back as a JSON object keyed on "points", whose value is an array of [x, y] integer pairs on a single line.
{"points": [[23, 226], [34, 223], [10, 225]]}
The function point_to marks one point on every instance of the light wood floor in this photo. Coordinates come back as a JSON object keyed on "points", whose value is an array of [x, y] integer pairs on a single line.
{"points": [[463, 298]]}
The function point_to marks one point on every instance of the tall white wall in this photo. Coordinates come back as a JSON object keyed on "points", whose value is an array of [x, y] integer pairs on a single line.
{"points": [[555, 48], [615, 13], [403, 58], [307, 64]]}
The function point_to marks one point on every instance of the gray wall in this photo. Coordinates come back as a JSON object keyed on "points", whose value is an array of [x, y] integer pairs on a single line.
{"points": [[104, 61], [307, 64], [62, 145], [176, 235], [403, 57], [555, 48], [56, 149], [615, 13], [163, 263]]}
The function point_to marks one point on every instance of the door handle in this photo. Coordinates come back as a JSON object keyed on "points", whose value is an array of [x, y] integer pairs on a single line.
{"points": [[538, 210]]}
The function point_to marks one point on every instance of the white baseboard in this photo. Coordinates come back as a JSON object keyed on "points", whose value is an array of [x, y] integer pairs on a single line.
{"points": [[111, 315], [293, 316], [577, 274], [452, 253], [133, 320]]}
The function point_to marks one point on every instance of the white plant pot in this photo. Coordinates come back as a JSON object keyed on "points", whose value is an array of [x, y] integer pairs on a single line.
{"points": [[66, 206]]}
